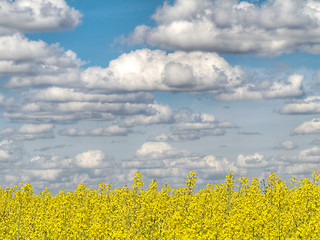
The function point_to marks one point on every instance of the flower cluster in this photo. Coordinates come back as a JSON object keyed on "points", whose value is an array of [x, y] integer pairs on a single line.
{"points": [[244, 210]]}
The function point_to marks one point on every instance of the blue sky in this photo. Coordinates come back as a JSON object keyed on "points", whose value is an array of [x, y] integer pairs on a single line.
{"points": [[93, 91]]}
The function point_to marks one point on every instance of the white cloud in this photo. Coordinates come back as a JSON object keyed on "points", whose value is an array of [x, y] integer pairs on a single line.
{"points": [[58, 94], [287, 145], [154, 114], [30, 109], [266, 90], [36, 15], [10, 156], [67, 105], [273, 27], [302, 165], [309, 127], [167, 163], [29, 132], [155, 70], [157, 150], [310, 155], [107, 131], [90, 159], [309, 105], [194, 72], [4, 155], [35, 128], [191, 126], [300, 171], [30, 62], [251, 161], [41, 175], [317, 76], [50, 161]]}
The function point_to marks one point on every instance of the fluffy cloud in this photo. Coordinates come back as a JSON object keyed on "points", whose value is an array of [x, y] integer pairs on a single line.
{"points": [[30, 132], [265, 90], [107, 131], [36, 63], [309, 127], [310, 155], [194, 72], [154, 114], [58, 172], [272, 27], [191, 126], [90, 159], [300, 171], [59, 94], [158, 150], [157, 160], [41, 175], [66, 105], [28, 62], [155, 70], [11, 153], [287, 145], [309, 105], [36, 16], [302, 165], [167, 163], [251, 161]]}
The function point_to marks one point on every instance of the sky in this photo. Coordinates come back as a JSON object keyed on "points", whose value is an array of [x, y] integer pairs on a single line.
{"points": [[94, 91]]}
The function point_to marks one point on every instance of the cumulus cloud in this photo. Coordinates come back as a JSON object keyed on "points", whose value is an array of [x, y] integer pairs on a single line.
{"points": [[300, 171], [68, 105], [154, 114], [191, 126], [10, 157], [29, 132], [309, 127], [158, 150], [158, 160], [302, 165], [156, 70], [57, 172], [309, 105], [48, 86], [34, 63], [90, 159], [272, 27], [265, 90], [310, 155], [167, 163], [251, 161], [59, 94], [41, 175], [4, 155], [36, 16], [107, 131], [194, 72], [286, 145]]}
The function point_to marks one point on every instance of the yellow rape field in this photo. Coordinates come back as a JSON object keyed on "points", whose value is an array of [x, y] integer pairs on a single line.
{"points": [[231, 210]]}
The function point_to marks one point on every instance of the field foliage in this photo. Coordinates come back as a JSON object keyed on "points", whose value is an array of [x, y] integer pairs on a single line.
{"points": [[232, 210]]}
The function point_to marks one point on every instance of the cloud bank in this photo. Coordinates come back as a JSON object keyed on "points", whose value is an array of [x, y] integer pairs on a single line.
{"points": [[270, 28]]}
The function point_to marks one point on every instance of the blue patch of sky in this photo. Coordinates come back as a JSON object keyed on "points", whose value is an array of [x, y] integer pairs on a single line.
{"points": [[256, 2], [101, 25]]}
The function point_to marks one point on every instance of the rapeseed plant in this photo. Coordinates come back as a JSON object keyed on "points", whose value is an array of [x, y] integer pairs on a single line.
{"points": [[226, 211]]}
